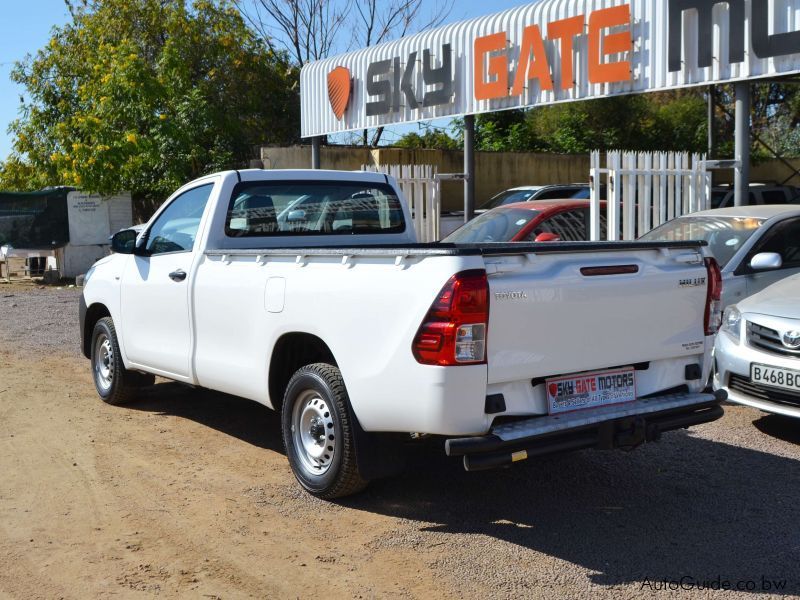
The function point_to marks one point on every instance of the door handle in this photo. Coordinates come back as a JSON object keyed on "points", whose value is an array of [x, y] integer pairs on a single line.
{"points": [[178, 275]]}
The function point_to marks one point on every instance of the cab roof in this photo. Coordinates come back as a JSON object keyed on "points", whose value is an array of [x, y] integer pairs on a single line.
{"points": [[545, 205], [763, 211]]}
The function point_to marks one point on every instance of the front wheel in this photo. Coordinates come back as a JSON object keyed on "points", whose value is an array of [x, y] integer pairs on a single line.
{"points": [[318, 432], [114, 383]]}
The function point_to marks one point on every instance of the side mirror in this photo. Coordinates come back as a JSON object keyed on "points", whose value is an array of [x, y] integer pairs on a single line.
{"points": [[124, 242], [764, 261], [547, 237], [296, 215]]}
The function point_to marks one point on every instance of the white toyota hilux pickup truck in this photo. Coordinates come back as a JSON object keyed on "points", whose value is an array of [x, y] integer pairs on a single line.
{"points": [[307, 292]]}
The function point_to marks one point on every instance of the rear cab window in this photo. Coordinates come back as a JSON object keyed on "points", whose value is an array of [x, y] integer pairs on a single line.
{"points": [[297, 208]]}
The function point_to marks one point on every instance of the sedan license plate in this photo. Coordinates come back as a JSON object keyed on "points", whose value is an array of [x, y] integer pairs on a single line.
{"points": [[589, 390], [787, 379]]}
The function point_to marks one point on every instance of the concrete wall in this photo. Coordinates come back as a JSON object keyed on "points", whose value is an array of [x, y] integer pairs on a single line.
{"points": [[495, 171]]}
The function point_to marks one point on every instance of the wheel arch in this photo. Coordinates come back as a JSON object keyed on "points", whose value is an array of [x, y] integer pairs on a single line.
{"points": [[291, 352], [94, 312]]}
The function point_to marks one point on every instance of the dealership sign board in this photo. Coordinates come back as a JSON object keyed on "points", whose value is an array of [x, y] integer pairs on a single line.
{"points": [[548, 52]]}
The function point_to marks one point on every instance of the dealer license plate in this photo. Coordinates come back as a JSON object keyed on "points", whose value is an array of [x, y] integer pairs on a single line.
{"points": [[589, 390], [787, 379]]}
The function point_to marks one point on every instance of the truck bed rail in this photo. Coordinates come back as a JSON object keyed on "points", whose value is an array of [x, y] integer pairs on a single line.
{"points": [[440, 249]]}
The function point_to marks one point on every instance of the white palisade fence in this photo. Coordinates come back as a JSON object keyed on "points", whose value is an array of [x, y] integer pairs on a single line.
{"points": [[646, 189], [420, 186]]}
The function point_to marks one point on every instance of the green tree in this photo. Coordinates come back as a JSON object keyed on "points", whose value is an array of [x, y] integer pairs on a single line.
{"points": [[431, 138], [144, 95], [659, 121], [672, 120], [505, 131]]}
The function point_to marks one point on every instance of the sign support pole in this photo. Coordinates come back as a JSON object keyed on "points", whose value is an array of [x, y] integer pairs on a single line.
{"points": [[712, 131], [742, 140], [469, 167], [315, 151]]}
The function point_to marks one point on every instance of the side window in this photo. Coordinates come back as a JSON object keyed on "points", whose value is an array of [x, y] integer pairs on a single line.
{"points": [[773, 197], [570, 226], [783, 238], [175, 229], [557, 194]]}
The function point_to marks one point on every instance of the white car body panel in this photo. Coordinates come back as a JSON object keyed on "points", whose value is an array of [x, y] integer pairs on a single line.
{"points": [[218, 328], [540, 302]]}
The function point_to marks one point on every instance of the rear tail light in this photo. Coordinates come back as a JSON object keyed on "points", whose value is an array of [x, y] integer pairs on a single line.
{"points": [[454, 330], [713, 317]]}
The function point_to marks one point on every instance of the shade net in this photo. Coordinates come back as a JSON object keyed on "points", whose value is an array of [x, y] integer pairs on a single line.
{"points": [[34, 219]]}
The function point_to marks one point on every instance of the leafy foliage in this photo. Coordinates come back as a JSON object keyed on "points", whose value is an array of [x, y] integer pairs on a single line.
{"points": [[144, 95], [660, 121], [431, 138], [674, 121]]}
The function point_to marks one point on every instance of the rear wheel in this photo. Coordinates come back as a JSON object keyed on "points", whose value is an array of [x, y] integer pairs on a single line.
{"points": [[318, 432], [114, 383]]}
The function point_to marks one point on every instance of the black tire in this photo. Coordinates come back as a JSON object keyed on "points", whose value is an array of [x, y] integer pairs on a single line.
{"points": [[113, 382], [316, 396]]}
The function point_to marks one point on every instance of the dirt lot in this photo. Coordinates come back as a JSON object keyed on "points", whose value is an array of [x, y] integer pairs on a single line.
{"points": [[188, 494]]}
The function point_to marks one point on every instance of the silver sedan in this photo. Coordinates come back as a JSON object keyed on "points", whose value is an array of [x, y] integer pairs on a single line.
{"points": [[757, 351], [755, 246]]}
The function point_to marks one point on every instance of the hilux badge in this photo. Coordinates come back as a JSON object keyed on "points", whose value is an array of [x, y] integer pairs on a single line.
{"points": [[510, 295], [791, 339]]}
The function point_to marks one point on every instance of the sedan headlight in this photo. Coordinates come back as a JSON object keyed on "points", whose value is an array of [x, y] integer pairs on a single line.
{"points": [[732, 322]]}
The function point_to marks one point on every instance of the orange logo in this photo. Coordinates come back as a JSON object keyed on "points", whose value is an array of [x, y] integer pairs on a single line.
{"points": [[339, 90]]}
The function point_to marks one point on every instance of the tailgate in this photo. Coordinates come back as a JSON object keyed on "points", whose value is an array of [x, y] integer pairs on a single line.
{"points": [[553, 313]]}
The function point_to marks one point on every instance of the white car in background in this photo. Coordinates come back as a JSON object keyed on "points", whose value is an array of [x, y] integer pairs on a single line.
{"points": [[757, 194], [757, 352], [755, 246]]}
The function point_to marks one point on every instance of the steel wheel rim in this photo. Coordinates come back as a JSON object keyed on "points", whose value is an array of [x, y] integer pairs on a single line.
{"points": [[313, 432], [103, 362]]}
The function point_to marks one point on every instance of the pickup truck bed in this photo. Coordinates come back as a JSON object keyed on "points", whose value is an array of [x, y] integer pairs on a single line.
{"points": [[506, 350]]}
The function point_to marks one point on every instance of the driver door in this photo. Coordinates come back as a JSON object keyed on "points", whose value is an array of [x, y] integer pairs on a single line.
{"points": [[155, 289], [784, 239]]}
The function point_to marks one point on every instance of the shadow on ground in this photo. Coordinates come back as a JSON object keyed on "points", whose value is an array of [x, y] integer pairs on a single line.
{"points": [[686, 506], [780, 427], [243, 419]]}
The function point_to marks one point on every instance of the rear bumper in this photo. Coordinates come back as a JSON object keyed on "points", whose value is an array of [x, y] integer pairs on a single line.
{"points": [[605, 427]]}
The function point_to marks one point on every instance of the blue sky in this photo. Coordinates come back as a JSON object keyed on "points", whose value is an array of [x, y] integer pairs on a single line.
{"points": [[25, 27]]}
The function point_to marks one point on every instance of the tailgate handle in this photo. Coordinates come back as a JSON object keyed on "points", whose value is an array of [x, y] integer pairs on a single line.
{"points": [[611, 270]]}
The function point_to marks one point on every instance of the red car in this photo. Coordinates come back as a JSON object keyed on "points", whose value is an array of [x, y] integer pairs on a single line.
{"points": [[532, 221]]}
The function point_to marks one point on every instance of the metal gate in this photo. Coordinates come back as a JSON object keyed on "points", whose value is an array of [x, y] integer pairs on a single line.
{"points": [[420, 185], [644, 190]]}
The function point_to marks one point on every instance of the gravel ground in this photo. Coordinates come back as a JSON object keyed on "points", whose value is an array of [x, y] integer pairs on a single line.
{"points": [[715, 504], [35, 317]]}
